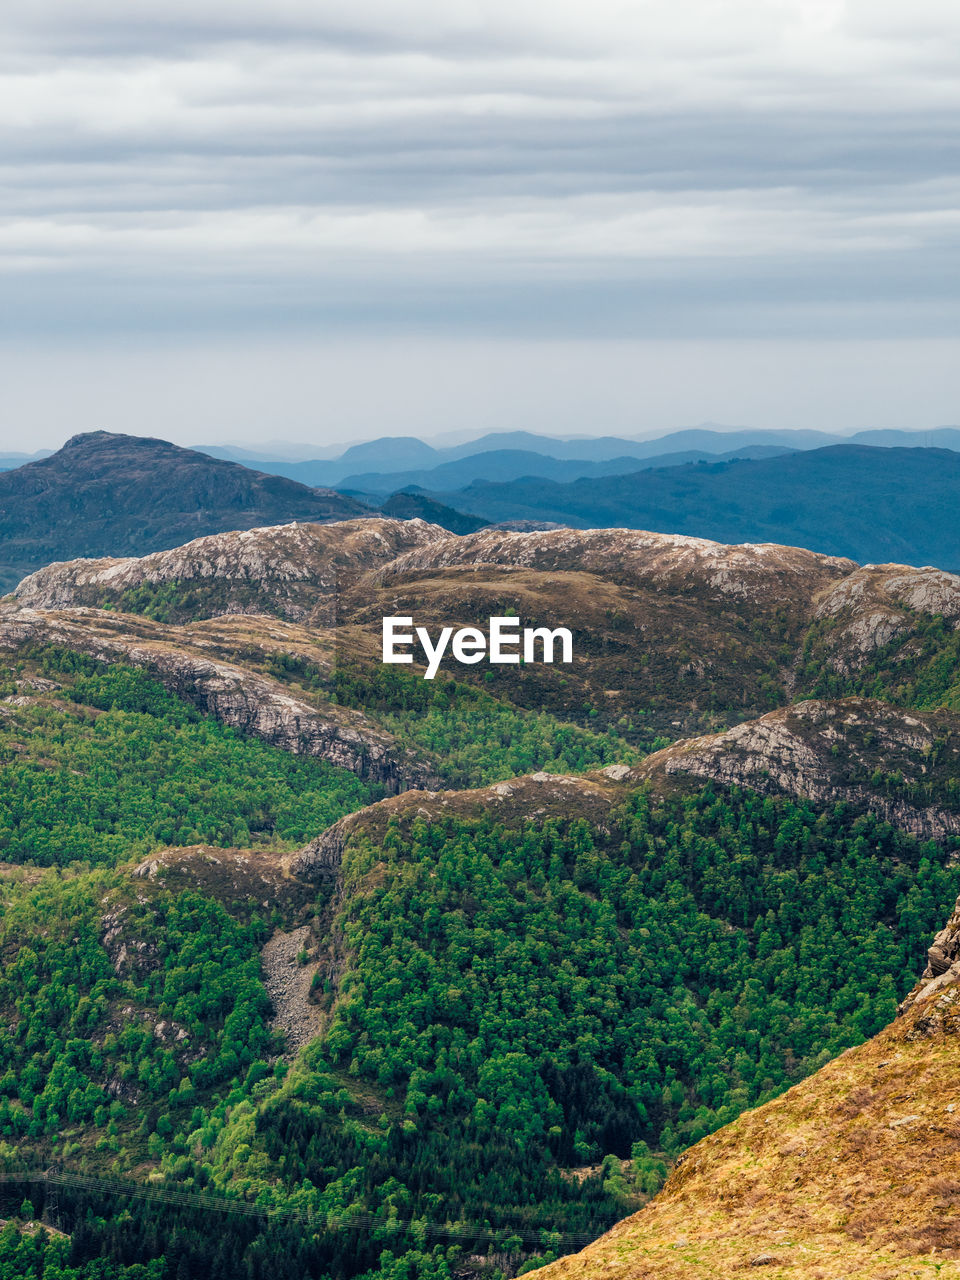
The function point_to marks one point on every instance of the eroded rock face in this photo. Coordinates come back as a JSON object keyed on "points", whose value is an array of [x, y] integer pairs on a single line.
{"points": [[322, 856], [876, 604], [940, 978], [248, 702], [294, 569], [830, 751]]}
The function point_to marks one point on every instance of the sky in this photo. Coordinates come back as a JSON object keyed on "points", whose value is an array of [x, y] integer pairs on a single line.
{"points": [[233, 221]]}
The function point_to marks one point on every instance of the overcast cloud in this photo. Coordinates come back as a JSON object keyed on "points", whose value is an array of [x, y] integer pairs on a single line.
{"points": [[218, 191]]}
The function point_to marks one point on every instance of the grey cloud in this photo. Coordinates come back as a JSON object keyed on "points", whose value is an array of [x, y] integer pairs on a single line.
{"points": [[497, 168]]}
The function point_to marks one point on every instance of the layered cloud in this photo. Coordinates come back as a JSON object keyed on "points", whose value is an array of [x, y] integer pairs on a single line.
{"points": [[580, 167]]}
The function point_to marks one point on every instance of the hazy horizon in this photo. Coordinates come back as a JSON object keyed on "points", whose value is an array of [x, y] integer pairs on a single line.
{"points": [[302, 450]]}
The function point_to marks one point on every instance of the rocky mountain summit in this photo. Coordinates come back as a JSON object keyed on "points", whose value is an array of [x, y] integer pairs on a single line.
{"points": [[667, 562]]}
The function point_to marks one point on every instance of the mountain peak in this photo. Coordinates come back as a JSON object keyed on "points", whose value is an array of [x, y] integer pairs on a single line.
{"points": [[110, 494], [87, 440]]}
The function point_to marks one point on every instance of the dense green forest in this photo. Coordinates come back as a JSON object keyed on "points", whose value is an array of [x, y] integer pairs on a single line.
{"points": [[40, 1256], [519, 1003], [472, 737], [114, 766], [522, 1024], [90, 971], [709, 952], [515, 1003]]}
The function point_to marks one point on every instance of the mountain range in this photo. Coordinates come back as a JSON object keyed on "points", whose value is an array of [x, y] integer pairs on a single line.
{"points": [[119, 495], [855, 500], [396, 461], [314, 967]]}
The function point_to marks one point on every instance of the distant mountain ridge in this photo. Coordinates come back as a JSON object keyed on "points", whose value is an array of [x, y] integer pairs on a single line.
{"points": [[871, 504], [383, 465], [114, 494], [391, 456], [515, 464]]}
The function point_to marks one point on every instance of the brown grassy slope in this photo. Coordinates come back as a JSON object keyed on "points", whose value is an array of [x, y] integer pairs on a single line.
{"points": [[853, 1173]]}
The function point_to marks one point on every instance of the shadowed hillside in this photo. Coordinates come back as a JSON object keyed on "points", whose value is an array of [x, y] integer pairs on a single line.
{"points": [[872, 504], [104, 494]]}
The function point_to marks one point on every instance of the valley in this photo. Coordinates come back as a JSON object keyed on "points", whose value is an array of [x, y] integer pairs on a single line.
{"points": [[468, 963]]}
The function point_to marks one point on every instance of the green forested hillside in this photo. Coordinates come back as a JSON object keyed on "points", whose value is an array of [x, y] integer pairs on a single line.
{"points": [[37, 1256], [473, 737], [110, 765], [514, 1004], [521, 1022], [89, 970]]}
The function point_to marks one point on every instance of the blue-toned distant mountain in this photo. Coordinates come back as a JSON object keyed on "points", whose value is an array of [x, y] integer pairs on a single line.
{"points": [[872, 504], [8, 461], [514, 464], [396, 462], [391, 457]]}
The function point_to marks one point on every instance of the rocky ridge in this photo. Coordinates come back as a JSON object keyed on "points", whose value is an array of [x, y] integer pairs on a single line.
{"points": [[669, 562], [294, 570], [695, 633], [821, 751], [534, 797], [247, 701], [681, 635], [832, 751], [877, 604]]}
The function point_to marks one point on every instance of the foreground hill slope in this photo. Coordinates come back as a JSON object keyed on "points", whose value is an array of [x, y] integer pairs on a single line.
{"points": [[108, 494], [854, 1172]]}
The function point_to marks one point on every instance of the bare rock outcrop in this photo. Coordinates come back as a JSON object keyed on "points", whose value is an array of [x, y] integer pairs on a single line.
{"points": [[288, 985], [940, 978], [291, 569], [322, 857], [830, 751], [878, 603], [246, 701]]}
